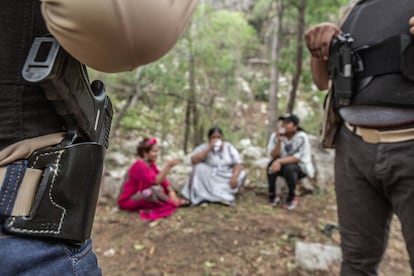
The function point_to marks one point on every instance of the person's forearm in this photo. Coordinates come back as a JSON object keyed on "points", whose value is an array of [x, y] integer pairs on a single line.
{"points": [[199, 157], [276, 151], [162, 175], [236, 170], [320, 75], [288, 160]]}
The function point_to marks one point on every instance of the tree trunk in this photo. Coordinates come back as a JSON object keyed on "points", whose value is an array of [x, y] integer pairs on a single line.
{"points": [[189, 112], [299, 56], [130, 101], [187, 125], [274, 71], [194, 110]]}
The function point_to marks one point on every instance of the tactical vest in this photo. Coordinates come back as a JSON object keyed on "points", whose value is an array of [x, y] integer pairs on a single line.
{"points": [[369, 23], [24, 110]]}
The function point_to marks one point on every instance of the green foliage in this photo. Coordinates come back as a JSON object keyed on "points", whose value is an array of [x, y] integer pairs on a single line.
{"points": [[166, 75], [136, 119], [261, 87], [261, 10], [218, 43]]}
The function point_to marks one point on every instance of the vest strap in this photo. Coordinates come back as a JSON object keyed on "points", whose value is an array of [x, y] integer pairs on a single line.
{"points": [[386, 57]]}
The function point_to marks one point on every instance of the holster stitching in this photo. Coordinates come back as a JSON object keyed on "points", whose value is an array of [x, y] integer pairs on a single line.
{"points": [[22, 230]]}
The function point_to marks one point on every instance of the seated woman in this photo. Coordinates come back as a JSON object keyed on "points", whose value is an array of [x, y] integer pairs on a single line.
{"points": [[217, 173], [146, 189]]}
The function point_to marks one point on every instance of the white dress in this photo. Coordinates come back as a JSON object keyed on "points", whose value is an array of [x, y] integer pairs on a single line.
{"points": [[210, 179]]}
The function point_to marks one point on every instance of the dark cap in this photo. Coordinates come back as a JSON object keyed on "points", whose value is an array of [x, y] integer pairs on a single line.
{"points": [[291, 118]]}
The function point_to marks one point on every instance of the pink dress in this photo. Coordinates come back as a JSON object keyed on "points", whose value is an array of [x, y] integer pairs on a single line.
{"points": [[142, 176]]}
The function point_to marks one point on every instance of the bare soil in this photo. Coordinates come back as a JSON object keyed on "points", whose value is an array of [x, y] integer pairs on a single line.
{"points": [[250, 238]]}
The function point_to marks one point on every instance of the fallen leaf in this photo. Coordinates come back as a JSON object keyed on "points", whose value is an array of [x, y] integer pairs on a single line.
{"points": [[152, 250], [109, 253], [138, 247], [209, 264]]}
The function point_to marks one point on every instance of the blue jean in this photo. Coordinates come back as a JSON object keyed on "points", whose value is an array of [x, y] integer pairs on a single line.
{"points": [[29, 256]]}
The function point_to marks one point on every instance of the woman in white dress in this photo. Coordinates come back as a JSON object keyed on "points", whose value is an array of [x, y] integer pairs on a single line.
{"points": [[217, 173]]}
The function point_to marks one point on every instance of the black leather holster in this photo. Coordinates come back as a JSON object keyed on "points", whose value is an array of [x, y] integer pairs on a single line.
{"points": [[65, 202]]}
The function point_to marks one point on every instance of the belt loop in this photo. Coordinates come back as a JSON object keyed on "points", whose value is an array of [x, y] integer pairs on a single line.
{"points": [[352, 128], [10, 187], [18, 186]]}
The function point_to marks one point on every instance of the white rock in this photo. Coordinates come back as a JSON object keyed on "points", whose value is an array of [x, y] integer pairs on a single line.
{"points": [[317, 256]]}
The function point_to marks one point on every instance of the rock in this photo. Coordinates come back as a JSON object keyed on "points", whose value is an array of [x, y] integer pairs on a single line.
{"points": [[318, 256], [244, 143], [323, 160], [252, 152], [110, 188], [117, 158], [261, 163]]}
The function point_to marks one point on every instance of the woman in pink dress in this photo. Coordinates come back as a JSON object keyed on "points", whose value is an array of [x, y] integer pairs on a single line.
{"points": [[146, 189]]}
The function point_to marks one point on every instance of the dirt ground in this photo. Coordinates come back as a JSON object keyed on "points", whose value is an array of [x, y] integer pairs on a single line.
{"points": [[250, 238]]}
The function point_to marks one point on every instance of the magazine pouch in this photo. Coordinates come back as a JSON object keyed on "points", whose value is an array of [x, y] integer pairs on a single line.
{"points": [[331, 122]]}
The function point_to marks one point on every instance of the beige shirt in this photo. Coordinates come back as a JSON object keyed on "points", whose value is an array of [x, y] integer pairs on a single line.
{"points": [[117, 35]]}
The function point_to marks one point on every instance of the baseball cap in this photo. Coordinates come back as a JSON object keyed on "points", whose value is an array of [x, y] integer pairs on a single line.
{"points": [[291, 118]]}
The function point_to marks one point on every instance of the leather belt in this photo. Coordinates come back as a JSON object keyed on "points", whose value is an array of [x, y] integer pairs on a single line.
{"points": [[375, 136]]}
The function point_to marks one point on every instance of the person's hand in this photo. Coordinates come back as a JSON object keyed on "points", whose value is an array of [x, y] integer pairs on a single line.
{"points": [[212, 143], [275, 167], [158, 193], [277, 132], [173, 163], [137, 196], [280, 131], [233, 182], [147, 194], [411, 22], [318, 39], [154, 194]]}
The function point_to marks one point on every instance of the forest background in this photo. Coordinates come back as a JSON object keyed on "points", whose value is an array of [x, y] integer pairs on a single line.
{"points": [[233, 54], [238, 65]]}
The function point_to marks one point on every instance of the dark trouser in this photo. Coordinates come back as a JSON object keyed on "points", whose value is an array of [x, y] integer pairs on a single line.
{"points": [[291, 172], [372, 181]]}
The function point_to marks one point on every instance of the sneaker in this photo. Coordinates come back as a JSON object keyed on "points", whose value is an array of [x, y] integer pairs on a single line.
{"points": [[275, 201], [291, 204]]}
